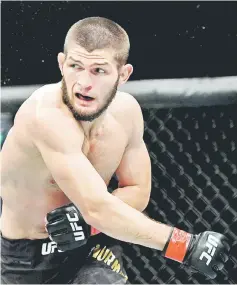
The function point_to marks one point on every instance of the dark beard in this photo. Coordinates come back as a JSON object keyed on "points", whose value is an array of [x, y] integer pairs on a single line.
{"points": [[89, 117]]}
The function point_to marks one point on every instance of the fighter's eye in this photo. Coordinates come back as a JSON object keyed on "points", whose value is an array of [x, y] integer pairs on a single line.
{"points": [[75, 66], [99, 70]]}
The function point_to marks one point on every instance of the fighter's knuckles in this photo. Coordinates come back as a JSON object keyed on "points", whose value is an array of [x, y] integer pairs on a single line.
{"points": [[226, 244], [219, 266], [224, 257], [54, 216], [56, 226], [48, 229], [211, 275]]}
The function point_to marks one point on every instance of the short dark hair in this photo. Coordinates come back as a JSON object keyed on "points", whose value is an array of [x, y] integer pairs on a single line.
{"points": [[99, 33]]}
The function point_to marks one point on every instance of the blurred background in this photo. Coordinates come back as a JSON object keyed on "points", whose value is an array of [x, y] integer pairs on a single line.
{"points": [[168, 39], [194, 167]]}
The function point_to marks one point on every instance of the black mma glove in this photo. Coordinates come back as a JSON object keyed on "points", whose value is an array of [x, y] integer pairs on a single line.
{"points": [[66, 227], [206, 252]]}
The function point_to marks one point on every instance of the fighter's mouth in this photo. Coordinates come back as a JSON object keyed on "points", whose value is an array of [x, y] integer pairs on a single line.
{"points": [[82, 97]]}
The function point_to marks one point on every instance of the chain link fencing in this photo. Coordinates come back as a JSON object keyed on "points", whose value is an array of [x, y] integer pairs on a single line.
{"points": [[194, 166], [194, 187]]}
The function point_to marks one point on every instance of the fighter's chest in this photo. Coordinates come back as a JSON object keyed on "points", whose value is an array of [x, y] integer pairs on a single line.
{"points": [[105, 153]]}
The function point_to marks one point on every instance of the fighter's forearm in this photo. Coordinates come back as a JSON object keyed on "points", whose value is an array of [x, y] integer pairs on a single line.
{"points": [[120, 221], [134, 196]]}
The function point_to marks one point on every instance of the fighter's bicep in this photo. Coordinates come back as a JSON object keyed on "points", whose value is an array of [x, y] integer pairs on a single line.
{"points": [[79, 180], [70, 168], [58, 143], [135, 167]]}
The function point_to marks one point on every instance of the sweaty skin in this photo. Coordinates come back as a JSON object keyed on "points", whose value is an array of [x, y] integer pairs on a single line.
{"points": [[29, 191]]}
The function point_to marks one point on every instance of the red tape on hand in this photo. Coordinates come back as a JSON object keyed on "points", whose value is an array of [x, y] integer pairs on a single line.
{"points": [[94, 231], [178, 245]]}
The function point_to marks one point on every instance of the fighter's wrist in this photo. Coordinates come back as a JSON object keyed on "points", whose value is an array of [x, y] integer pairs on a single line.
{"points": [[177, 245]]}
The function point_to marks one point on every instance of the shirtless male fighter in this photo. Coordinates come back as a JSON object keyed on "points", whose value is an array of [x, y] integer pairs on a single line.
{"points": [[67, 141]]}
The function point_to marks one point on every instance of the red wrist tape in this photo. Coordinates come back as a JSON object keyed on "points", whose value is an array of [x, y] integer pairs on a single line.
{"points": [[178, 245], [94, 231]]}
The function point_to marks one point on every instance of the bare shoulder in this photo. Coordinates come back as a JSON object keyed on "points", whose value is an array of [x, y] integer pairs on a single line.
{"points": [[125, 105], [128, 113], [41, 112], [49, 117], [42, 97], [53, 127]]}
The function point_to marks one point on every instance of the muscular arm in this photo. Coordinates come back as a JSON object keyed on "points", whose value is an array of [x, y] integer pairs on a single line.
{"points": [[134, 171], [59, 140]]}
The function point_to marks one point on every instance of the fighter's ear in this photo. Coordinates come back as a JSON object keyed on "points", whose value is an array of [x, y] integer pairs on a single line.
{"points": [[61, 60], [125, 73]]}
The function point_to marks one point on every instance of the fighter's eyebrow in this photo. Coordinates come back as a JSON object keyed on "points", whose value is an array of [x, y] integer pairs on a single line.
{"points": [[76, 60], [102, 63], [95, 63]]}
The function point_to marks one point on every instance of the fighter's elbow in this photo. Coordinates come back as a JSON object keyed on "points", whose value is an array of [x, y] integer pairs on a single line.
{"points": [[144, 200], [92, 220], [143, 204], [93, 210], [99, 213]]}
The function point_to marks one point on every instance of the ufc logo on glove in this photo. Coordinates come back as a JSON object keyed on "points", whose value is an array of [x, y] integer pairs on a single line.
{"points": [[211, 244], [206, 252], [77, 230], [66, 227]]}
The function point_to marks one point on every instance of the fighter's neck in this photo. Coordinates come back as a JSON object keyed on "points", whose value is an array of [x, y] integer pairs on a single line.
{"points": [[94, 128]]}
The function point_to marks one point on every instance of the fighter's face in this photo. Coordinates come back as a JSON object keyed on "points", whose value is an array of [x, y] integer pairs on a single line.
{"points": [[89, 82]]}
